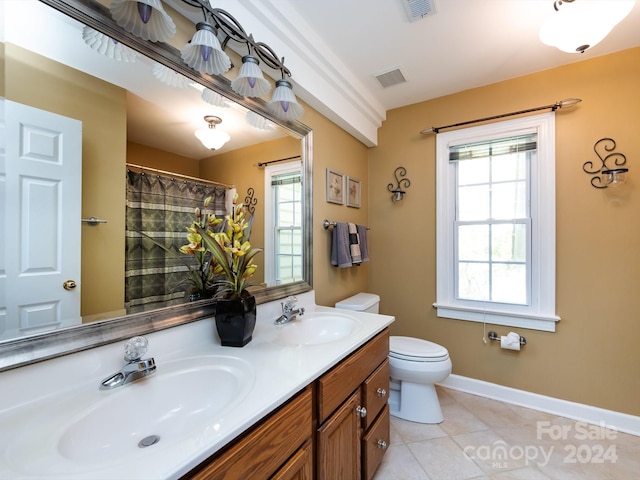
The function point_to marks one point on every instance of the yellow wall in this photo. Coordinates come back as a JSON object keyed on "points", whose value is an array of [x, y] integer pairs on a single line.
{"points": [[146, 156], [593, 357], [102, 109]]}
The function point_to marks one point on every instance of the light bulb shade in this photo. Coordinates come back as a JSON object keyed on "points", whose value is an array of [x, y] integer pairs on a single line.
{"points": [[283, 104], [204, 53], [214, 98], [580, 25], [258, 121], [144, 18], [614, 177], [250, 82], [211, 137], [170, 77], [107, 46]]}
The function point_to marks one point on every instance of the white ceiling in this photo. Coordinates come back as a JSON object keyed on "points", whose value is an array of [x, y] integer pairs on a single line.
{"points": [[335, 48], [465, 44]]}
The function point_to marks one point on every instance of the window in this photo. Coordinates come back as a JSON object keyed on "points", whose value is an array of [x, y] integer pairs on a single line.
{"points": [[283, 223], [496, 223]]}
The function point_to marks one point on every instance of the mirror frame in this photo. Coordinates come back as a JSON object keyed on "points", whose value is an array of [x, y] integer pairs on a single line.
{"points": [[35, 348]]}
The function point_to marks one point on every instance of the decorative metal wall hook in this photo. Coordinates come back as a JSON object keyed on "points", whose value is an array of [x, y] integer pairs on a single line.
{"points": [[396, 190], [607, 174], [250, 201]]}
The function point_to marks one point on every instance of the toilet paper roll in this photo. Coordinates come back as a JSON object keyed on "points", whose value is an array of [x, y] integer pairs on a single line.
{"points": [[511, 341]]}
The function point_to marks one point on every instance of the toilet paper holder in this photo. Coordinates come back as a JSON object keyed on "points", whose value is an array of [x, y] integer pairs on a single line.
{"points": [[494, 336]]}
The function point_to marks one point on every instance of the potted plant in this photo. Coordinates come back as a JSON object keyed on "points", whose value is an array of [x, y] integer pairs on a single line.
{"points": [[227, 242]]}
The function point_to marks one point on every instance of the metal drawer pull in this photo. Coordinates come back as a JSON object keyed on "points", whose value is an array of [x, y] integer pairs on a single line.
{"points": [[381, 392], [361, 411], [382, 444]]}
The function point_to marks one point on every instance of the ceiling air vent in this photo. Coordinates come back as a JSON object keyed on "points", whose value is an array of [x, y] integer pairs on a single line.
{"points": [[417, 9], [391, 78]]}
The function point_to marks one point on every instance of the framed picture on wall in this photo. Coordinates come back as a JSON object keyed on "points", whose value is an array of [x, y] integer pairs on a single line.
{"points": [[353, 192], [335, 189]]}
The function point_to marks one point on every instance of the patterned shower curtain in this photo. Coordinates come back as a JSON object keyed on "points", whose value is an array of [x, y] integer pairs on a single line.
{"points": [[162, 208]]}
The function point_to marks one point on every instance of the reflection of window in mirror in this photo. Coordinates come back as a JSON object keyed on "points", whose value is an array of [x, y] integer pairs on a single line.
{"points": [[283, 223]]}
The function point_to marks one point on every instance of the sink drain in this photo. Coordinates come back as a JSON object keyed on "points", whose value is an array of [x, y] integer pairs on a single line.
{"points": [[148, 441]]}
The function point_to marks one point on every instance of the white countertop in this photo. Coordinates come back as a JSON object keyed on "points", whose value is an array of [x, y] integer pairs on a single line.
{"points": [[39, 401]]}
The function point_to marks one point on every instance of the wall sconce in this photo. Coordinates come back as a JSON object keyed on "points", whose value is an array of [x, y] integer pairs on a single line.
{"points": [[396, 191], [606, 175]]}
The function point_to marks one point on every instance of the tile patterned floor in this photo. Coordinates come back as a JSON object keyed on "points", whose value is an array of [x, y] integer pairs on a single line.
{"points": [[485, 439]]}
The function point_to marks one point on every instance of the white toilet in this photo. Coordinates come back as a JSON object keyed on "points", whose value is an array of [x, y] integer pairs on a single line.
{"points": [[416, 366]]}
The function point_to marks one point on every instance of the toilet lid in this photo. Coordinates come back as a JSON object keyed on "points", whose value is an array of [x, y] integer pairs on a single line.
{"points": [[416, 349]]}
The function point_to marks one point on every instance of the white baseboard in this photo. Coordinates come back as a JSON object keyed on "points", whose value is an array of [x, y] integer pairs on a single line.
{"points": [[622, 422]]}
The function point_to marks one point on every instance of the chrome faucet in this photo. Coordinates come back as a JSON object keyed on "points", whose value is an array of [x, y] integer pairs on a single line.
{"points": [[135, 368], [289, 311]]}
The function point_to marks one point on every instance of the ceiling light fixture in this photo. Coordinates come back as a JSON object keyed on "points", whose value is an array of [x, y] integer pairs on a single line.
{"points": [[578, 25], [211, 137], [205, 51], [144, 18]]}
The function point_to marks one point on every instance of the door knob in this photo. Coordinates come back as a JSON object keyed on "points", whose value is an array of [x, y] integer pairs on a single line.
{"points": [[382, 444], [69, 285], [381, 392], [362, 411]]}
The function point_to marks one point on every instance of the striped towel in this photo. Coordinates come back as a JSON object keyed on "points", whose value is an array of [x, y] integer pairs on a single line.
{"points": [[354, 244]]}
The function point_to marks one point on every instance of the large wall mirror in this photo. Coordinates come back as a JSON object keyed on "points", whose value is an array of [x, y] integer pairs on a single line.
{"points": [[134, 120]]}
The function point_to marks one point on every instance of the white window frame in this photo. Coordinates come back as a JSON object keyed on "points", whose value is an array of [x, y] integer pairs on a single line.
{"points": [[270, 257], [539, 314]]}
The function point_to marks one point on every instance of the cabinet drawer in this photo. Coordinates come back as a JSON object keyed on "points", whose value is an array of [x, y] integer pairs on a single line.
{"points": [[337, 384], [376, 392], [373, 448], [299, 467], [261, 452]]}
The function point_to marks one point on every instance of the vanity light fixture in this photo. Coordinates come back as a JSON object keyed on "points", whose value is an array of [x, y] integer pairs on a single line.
{"points": [[144, 18], [397, 194], [577, 25], [107, 46], [148, 20], [211, 137], [204, 52], [608, 175]]}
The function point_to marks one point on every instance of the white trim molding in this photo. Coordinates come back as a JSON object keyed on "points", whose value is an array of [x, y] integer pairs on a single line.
{"points": [[621, 422]]}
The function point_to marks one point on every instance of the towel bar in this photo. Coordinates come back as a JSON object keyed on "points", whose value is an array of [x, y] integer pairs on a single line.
{"points": [[326, 224]]}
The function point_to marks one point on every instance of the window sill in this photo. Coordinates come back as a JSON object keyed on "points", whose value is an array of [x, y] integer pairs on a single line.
{"points": [[545, 323]]}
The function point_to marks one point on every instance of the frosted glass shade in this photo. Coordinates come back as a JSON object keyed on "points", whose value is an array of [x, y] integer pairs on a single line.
{"points": [[144, 18], [212, 138], [577, 26], [258, 121], [168, 76], [250, 82], [283, 104], [107, 46], [214, 98], [204, 53]]}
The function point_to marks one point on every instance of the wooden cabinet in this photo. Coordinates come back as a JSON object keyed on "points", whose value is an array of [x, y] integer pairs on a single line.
{"points": [[353, 414], [348, 404]]}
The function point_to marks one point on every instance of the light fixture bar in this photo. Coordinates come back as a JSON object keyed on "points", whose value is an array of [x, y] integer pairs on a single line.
{"points": [[568, 102]]}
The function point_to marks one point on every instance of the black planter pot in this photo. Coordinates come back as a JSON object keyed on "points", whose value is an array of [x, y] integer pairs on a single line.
{"points": [[235, 321]]}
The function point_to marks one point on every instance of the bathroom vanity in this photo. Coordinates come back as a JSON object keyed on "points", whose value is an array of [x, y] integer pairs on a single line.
{"points": [[290, 404]]}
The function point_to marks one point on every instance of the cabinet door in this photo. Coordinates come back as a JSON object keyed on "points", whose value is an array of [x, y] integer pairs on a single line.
{"points": [[299, 467], [339, 442]]}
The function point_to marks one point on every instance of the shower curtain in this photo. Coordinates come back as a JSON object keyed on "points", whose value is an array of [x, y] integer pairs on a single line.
{"points": [[162, 208]]}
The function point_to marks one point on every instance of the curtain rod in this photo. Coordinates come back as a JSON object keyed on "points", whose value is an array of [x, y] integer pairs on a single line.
{"points": [[568, 102], [178, 175], [262, 164]]}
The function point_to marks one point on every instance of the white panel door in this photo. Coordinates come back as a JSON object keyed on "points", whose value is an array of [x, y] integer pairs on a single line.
{"points": [[41, 191]]}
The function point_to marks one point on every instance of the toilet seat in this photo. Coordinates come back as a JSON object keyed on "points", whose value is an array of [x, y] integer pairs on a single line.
{"points": [[416, 350]]}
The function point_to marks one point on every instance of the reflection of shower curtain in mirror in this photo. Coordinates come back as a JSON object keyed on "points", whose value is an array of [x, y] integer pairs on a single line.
{"points": [[162, 208]]}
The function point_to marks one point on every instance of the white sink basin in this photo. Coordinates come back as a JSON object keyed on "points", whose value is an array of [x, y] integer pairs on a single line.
{"points": [[180, 401], [317, 328]]}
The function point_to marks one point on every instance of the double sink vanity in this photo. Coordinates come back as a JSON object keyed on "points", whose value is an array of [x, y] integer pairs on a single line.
{"points": [[306, 399]]}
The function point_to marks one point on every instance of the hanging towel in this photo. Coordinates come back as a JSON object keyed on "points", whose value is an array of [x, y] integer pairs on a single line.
{"points": [[354, 245], [340, 254], [364, 250]]}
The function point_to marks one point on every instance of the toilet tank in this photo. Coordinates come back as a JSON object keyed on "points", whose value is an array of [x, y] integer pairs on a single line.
{"points": [[361, 302]]}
